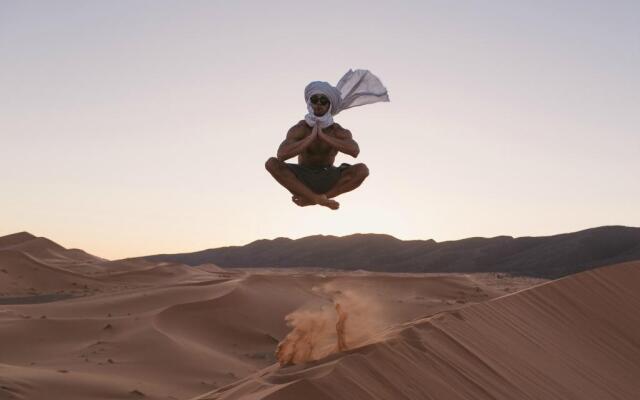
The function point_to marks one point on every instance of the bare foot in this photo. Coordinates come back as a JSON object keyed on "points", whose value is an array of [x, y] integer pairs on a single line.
{"points": [[302, 201], [320, 199], [323, 200]]}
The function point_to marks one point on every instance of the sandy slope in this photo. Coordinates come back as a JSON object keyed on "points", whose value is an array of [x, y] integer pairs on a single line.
{"points": [[168, 331], [179, 339], [35, 269], [141, 329], [574, 338]]}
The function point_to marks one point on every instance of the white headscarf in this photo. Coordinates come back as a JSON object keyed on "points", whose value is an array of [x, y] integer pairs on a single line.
{"points": [[355, 88]]}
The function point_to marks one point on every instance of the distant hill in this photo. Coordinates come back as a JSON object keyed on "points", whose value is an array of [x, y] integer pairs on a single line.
{"points": [[542, 256], [45, 249]]}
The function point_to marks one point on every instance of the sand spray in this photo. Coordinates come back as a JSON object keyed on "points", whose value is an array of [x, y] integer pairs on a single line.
{"points": [[350, 318]]}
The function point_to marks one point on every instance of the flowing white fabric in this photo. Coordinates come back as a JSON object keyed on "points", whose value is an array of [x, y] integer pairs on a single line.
{"points": [[355, 88]]}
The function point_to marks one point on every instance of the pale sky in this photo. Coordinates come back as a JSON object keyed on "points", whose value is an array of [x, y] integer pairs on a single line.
{"points": [[130, 128]]}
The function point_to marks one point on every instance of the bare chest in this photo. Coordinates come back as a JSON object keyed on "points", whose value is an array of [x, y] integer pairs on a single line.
{"points": [[320, 147]]}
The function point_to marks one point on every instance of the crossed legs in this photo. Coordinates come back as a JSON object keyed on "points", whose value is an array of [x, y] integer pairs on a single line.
{"points": [[350, 179]]}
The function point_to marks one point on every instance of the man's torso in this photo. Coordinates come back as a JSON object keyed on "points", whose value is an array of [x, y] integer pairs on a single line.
{"points": [[319, 153]]}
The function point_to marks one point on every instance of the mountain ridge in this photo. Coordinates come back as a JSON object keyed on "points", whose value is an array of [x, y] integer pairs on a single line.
{"points": [[542, 256], [550, 256]]}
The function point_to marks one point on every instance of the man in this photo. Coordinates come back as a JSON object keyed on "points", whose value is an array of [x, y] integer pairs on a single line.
{"points": [[315, 180], [317, 139]]}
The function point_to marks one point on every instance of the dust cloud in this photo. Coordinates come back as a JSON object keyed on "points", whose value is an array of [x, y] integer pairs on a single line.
{"points": [[351, 318]]}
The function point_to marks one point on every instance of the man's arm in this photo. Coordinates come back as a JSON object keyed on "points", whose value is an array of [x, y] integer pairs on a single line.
{"points": [[295, 143], [343, 141]]}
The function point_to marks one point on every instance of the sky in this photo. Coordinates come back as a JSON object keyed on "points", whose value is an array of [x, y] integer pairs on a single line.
{"points": [[130, 128]]}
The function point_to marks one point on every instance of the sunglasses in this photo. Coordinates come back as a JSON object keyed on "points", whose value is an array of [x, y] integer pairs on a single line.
{"points": [[319, 99]]}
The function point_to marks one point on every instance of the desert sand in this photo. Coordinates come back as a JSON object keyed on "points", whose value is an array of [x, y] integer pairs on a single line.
{"points": [[76, 326]]}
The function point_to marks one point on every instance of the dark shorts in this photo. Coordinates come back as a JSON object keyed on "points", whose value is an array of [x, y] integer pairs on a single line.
{"points": [[319, 180]]}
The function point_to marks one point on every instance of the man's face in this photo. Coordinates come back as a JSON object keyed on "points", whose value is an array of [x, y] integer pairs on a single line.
{"points": [[320, 104]]}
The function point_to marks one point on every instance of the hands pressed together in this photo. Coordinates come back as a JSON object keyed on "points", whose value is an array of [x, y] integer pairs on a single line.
{"points": [[317, 132]]}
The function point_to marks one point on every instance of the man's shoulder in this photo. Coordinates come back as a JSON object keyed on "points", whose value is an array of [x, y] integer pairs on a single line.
{"points": [[340, 130], [301, 125], [299, 130]]}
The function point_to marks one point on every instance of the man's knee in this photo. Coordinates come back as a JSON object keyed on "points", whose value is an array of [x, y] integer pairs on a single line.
{"points": [[361, 171], [272, 164]]}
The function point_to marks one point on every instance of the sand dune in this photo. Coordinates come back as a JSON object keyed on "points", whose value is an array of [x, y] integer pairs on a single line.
{"points": [[36, 269], [179, 339], [574, 338], [50, 253], [24, 275], [167, 331], [159, 330]]}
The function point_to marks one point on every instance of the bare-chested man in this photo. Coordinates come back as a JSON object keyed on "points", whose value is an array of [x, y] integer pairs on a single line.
{"points": [[315, 180]]}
